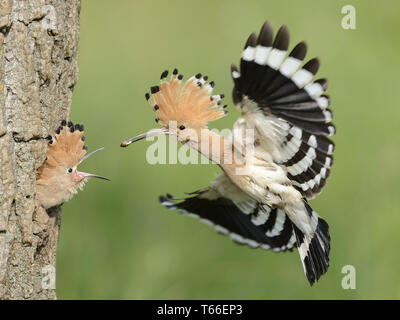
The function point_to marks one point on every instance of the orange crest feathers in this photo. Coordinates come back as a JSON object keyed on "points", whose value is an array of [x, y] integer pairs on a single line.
{"points": [[66, 148], [190, 103]]}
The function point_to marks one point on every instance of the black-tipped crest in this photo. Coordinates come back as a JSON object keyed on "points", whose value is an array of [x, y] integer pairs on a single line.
{"points": [[168, 104], [164, 74], [50, 138], [154, 89]]}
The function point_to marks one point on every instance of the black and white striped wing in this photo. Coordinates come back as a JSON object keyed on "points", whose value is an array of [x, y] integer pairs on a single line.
{"points": [[233, 213], [292, 107]]}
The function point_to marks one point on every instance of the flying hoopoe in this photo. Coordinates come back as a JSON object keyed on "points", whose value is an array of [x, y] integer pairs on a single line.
{"points": [[58, 178], [264, 204]]}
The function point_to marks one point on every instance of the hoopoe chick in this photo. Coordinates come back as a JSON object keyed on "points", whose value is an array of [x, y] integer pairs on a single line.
{"points": [[58, 178]]}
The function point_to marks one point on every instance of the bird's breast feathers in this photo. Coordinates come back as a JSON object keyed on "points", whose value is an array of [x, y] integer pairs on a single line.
{"points": [[52, 194], [265, 182]]}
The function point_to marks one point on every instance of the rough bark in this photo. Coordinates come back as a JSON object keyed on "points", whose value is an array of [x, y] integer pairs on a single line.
{"points": [[38, 71]]}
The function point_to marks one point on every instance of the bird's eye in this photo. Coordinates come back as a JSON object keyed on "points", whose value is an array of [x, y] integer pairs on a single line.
{"points": [[182, 127], [69, 170]]}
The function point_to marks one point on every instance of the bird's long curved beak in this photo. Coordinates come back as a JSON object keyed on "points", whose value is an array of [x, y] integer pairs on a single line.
{"points": [[150, 133], [90, 175], [89, 154]]}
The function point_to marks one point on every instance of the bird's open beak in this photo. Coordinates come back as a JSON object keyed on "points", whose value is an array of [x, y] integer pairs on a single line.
{"points": [[150, 133], [89, 175], [87, 155]]}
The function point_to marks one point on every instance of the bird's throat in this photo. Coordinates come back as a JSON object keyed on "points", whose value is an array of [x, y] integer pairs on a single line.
{"points": [[216, 148]]}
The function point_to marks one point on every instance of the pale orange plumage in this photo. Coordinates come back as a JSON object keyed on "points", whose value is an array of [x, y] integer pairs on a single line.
{"points": [[190, 104], [58, 178], [67, 149]]}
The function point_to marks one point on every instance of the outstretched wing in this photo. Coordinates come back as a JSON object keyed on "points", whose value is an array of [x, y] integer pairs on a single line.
{"points": [[288, 110], [230, 211]]}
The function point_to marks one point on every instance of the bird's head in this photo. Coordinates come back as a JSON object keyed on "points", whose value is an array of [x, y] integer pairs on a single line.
{"points": [[182, 109], [58, 178]]}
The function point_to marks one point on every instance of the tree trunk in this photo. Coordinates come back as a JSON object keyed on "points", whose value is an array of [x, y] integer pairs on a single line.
{"points": [[38, 71]]}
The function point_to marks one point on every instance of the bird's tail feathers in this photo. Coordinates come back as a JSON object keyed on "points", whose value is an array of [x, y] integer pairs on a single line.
{"points": [[314, 248]]}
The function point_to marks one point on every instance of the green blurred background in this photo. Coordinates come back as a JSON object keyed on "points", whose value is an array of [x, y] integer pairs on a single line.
{"points": [[117, 242]]}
